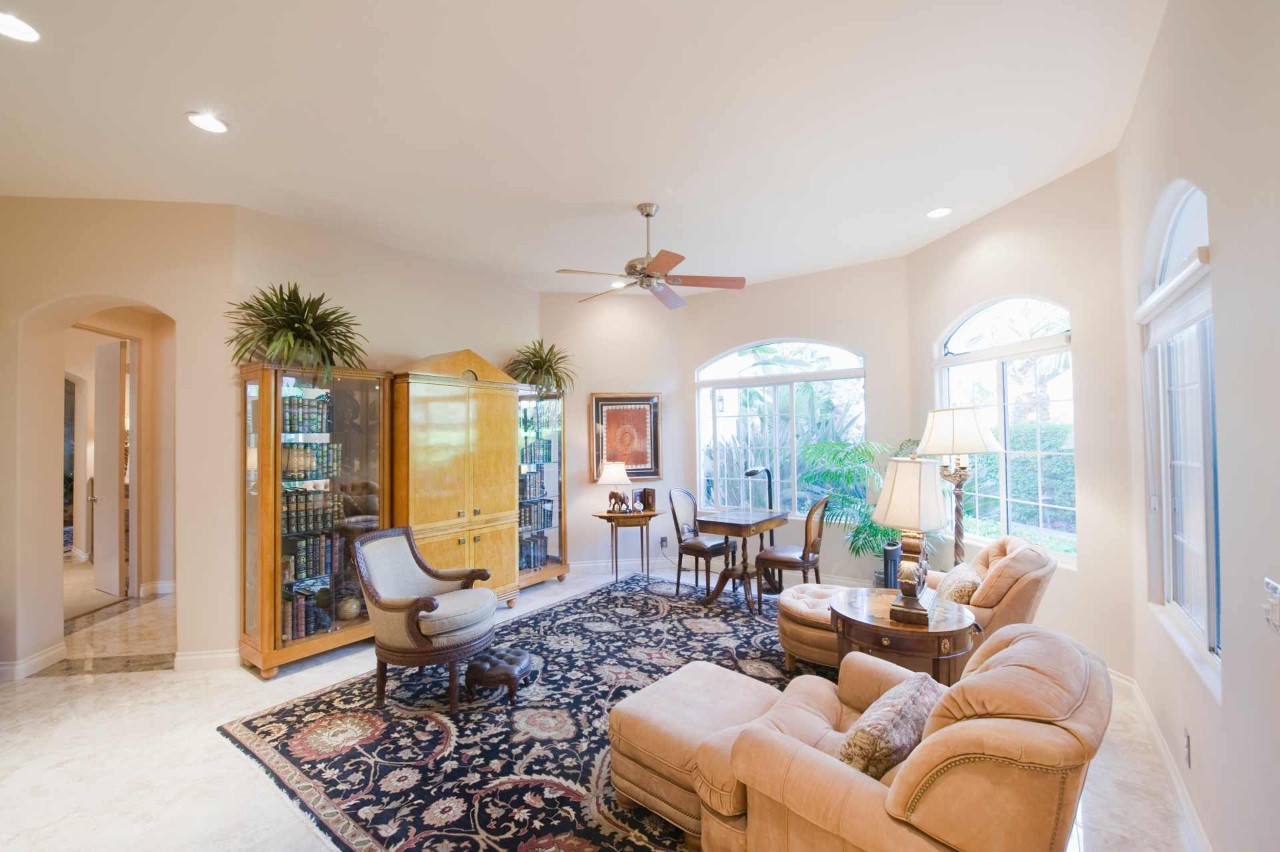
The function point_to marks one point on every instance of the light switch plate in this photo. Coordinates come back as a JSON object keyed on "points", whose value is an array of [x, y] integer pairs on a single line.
{"points": [[1272, 605]]}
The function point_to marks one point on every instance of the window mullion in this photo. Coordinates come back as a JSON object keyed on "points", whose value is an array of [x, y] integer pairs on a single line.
{"points": [[795, 461], [1003, 417]]}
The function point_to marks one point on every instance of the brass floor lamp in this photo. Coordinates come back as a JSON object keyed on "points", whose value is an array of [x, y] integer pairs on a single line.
{"points": [[957, 432]]}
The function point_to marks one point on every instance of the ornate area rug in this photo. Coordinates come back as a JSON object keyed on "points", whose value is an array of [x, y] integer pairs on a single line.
{"points": [[494, 777]]}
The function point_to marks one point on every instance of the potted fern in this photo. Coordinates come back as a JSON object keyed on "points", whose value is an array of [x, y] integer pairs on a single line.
{"points": [[283, 328], [547, 368]]}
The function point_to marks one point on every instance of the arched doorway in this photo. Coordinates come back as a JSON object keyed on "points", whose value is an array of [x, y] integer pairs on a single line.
{"points": [[128, 468]]}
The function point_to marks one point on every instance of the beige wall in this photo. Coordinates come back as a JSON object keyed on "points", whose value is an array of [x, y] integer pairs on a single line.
{"points": [[631, 343], [1058, 243], [1206, 114]]}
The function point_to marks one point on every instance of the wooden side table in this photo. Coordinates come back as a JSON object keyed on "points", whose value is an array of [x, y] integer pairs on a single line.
{"points": [[639, 520], [861, 621]]}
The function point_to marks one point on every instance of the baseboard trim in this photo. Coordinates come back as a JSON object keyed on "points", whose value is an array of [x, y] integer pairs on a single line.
{"points": [[11, 671], [1170, 762], [604, 566], [196, 661], [159, 587]]}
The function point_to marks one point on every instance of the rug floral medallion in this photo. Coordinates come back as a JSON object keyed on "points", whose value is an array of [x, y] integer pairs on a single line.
{"points": [[494, 777]]}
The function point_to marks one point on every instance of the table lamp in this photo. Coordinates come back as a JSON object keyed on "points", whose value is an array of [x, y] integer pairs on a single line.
{"points": [[614, 473], [911, 501], [956, 432]]}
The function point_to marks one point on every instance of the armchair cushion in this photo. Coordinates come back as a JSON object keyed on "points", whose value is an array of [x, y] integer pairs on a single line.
{"points": [[959, 584], [457, 610], [892, 726], [393, 571], [1002, 564]]}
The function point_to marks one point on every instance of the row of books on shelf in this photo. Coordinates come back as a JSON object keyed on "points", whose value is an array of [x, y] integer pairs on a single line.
{"points": [[310, 461], [308, 511], [537, 516], [536, 451], [533, 551], [532, 485], [315, 555], [306, 415], [301, 616]]}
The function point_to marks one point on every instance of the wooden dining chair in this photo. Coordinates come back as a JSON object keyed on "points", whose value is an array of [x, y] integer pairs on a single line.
{"points": [[684, 511], [788, 557]]}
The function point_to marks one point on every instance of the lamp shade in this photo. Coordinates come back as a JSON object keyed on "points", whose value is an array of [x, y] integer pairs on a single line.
{"points": [[613, 473], [911, 498], [956, 432]]}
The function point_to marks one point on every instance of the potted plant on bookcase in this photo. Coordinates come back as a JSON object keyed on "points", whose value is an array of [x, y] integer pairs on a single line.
{"points": [[281, 327], [547, 368]]}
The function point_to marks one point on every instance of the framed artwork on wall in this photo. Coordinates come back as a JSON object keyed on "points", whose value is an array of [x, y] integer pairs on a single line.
{"points": [[626, 427]]}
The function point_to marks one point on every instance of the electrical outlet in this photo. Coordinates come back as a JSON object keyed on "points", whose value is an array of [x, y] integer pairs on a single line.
{"points": [[1187, 739], [662, 543]]}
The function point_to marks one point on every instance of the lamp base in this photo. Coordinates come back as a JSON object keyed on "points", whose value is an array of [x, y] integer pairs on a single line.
{"points": [[912, 610]]}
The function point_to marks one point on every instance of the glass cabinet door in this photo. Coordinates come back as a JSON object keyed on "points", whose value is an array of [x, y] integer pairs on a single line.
{"points": [[330, 495], [252, 508], [541, 419]]}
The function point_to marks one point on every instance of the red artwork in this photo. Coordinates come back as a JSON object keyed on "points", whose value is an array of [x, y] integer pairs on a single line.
{"points": [[626, 436]]}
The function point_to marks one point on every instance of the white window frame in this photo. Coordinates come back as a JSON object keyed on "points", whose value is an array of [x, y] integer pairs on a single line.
{"points": [[776, 380], [1049, 345], [1182, 302]]}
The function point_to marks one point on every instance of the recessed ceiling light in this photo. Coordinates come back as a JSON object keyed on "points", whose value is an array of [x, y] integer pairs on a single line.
{"points": [[16, 28], [939, 212], [207, 121], [618, 284]]}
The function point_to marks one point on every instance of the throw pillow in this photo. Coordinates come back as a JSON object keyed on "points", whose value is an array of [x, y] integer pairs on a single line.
{"points": [[959, 584], [892, 726]]}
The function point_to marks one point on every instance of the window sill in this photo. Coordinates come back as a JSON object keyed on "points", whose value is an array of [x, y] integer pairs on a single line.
{"points": [[1190, 641]]}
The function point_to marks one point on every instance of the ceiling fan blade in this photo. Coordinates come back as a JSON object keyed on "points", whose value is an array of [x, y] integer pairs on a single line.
{"points": [[666, 295], [707, 281], [663, 262], [621, 276], [606, 292]]}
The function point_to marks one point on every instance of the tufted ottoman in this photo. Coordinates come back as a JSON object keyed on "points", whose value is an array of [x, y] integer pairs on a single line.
{"points": [[498, 666], [654, 736], [804, 624]]}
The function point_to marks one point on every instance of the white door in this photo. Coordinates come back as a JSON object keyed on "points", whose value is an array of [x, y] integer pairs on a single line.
{"points": [[108, 467]]}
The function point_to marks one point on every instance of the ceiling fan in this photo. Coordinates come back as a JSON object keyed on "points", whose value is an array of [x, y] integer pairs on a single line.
{"points": [[652, 272]]}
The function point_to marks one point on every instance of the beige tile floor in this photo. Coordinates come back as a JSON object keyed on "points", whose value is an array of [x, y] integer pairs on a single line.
{"points": [[79, 596], [132, 761]]}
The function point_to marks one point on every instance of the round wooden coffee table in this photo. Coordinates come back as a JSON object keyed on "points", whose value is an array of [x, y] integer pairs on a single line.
{"points": [[861, 620]]}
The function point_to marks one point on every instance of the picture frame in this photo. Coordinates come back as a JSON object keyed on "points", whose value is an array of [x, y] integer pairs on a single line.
{"points": [[627, 428]]}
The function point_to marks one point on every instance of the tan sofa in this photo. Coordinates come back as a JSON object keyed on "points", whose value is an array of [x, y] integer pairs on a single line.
{"points": [[1000, 768], [1015, 574]]}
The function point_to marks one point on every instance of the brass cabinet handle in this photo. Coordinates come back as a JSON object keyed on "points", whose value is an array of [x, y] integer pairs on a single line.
{"points": [[477, 538], [462, 540], [476, 511], [462, 513], [884, 640]]}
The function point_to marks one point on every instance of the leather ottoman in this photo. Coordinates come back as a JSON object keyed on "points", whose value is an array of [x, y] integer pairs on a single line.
{"points": [[655, 733], [804, 624]]}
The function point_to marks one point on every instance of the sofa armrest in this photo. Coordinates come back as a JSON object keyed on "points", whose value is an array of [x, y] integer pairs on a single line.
{"points": [[933, 578], [864, 678], [821, 790]]}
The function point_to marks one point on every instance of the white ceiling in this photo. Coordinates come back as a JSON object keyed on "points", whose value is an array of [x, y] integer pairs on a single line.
{"points": [[516, 137]]}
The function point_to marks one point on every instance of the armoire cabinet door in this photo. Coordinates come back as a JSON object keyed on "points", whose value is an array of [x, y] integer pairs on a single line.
{"points": [[445, 552], [438, 442], [494, 452], [494, 550]]}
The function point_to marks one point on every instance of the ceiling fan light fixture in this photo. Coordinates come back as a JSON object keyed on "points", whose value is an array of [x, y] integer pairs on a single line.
{"points": [[17, 29], [618, 285], [939, 212]]}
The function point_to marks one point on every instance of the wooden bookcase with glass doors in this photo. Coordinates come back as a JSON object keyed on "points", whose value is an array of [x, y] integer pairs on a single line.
{"points": [[316, 466], [541, 487]]}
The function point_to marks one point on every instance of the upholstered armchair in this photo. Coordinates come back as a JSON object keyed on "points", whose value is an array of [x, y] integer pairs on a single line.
{"points": [[421, 616], [1014, 575], [1000, 768]]}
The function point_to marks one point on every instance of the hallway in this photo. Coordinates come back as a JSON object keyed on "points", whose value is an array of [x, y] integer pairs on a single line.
{"points": [[80, 595]]}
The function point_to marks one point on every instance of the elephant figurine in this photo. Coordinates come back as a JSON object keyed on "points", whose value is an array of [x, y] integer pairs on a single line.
{"points": [[618, 503]]}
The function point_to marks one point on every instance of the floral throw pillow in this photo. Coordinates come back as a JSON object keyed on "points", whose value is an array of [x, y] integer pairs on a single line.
{"points": [[960, 584], [892, 726]]}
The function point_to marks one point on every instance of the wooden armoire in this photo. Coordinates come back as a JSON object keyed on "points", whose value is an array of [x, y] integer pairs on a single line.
{"points": [[454, 454]]}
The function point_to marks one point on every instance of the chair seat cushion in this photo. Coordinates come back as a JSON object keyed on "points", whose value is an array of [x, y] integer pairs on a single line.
{"points": [[700, 545], [457, 610], [809, 603], [783, 554]]}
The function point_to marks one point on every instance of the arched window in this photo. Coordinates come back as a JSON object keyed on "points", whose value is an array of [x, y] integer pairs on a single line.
{"points": [[760, 406], [1182, 444], [1012, 361]]}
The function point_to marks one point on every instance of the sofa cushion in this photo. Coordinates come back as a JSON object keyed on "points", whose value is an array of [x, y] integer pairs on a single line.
{"points": [[1002, 564], [457, 610], [809, 603], [892, 726], [959, 584]]}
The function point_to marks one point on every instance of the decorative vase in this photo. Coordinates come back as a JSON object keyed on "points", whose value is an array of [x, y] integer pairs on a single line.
{"points": [[348, 608]]}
